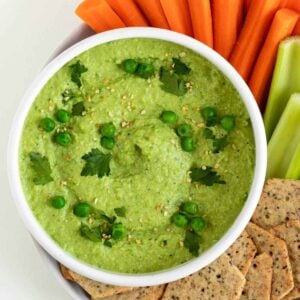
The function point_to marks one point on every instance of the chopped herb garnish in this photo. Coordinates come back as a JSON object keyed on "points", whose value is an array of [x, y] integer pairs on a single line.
{"points": [[78, 109], [67, 95], [180, 68], [41, 167], [192, 242], [77, 70], [206, 176], [171, 83], [93, 234], [120, 211], [97, 163], [208, 134], [100, 215], [107, 243], [219, 144]]}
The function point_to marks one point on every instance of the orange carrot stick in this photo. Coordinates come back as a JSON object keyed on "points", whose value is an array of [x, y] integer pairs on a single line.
{"points": [[297, 29], [247, 4], [154, 13], [291, 4], [178, 15], [128, 11], [99, 15], [201, 21], [282, 26], [226, 21], [253, 33]]}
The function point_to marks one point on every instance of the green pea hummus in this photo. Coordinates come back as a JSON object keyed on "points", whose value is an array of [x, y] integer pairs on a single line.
{"points": [[149, 171]]}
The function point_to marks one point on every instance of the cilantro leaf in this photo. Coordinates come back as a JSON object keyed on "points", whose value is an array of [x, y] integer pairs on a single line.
{"points": [[120, 211], [180, 68], [208, 134], [67, 95], [219, 144], [207, 177], [92, 234], [107, 243], [78, 108], [171, 83], [97, 163], [41, 167], [192, 242], [76, 71], [98, 214]]}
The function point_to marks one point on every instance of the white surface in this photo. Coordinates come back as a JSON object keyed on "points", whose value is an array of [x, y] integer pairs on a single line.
{"points": [[176, 272], [30, 30]]}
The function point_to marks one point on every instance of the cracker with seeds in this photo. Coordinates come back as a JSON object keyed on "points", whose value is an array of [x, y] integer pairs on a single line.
{"points": [[279, 203], [290, 233], [220, 280], [258, 279], [96, 289], [143, 293], [282, 280], [242, 252]]}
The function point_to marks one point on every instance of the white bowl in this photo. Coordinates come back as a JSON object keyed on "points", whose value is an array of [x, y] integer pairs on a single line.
{"points": [[165, 275]]}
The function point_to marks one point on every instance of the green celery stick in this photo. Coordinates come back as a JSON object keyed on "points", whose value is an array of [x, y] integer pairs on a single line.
{"points": [[285, 139], [285, 81], [293, 171]]}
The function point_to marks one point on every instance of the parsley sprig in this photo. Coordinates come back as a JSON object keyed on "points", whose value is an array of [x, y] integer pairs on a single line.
{"points": [[41, 168], [207, 176], [96, 163]]}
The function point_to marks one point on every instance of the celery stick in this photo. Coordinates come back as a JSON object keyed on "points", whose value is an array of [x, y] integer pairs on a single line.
{"points": [[285, 139], [293, 171], [286, 81]]}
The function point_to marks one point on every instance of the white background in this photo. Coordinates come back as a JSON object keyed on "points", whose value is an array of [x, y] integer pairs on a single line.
{"points": [[30, 31]]}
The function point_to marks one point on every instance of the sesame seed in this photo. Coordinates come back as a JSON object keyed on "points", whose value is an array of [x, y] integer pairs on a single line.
{"points": [[155, 229], [182, 54], [97, 91], [143, 112], [96, 200], [165, 213], [83, 113], [138, 241], [181, 244], [110, 114], [203, 167], [200, 125], [185, 108]]}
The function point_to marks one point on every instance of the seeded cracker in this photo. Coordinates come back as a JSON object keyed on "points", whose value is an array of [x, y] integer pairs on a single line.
{"points": [[290, 233], [145, 293], [282, 280], [279, 203], [258, 279], [220, 280], [242, 252], [97, 290]]}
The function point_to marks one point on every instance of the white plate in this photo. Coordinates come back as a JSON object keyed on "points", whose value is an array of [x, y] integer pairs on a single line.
{"points": [[72, 289]]}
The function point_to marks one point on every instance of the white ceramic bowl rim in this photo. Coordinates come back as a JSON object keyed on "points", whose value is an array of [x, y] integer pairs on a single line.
{"points": [[165, 275]]}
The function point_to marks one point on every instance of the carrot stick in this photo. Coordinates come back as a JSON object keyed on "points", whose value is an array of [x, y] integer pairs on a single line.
{"points": [[291, 4], [99, 15], [178, 15], [253, 33], [297, 29], [247, 4], [226, 23], [201, 21], [282, 26], [128, 11], [154, 13]]}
